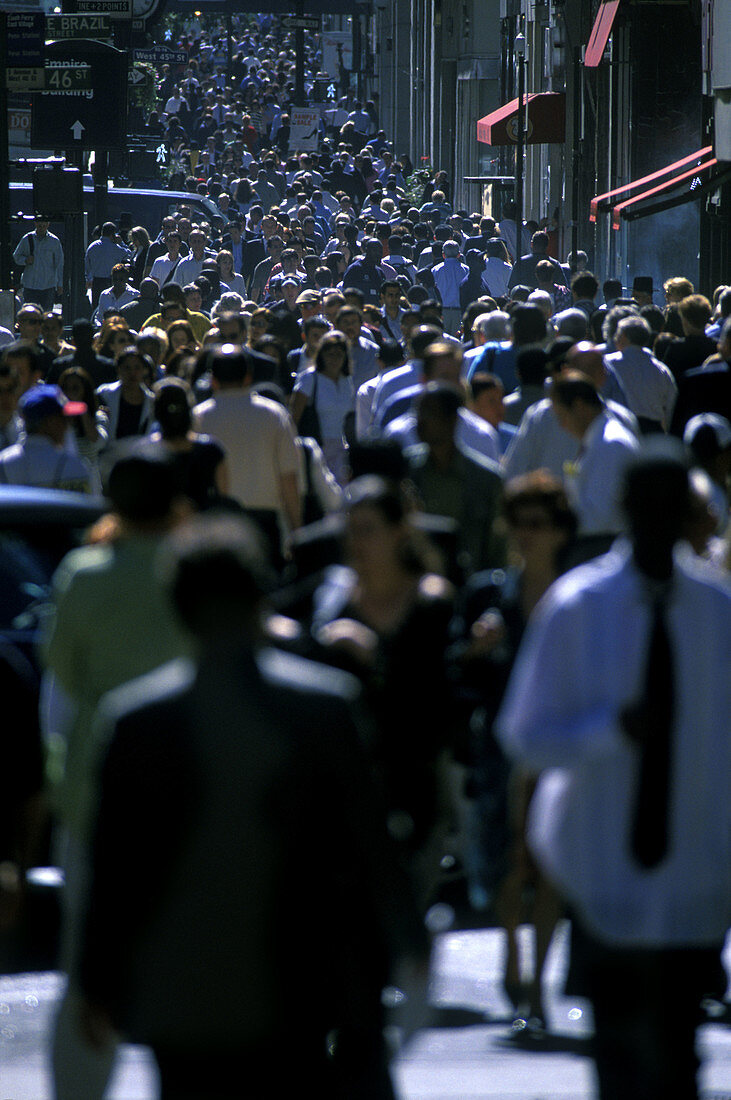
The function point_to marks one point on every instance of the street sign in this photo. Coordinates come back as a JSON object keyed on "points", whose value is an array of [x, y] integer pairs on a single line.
{"points": [[304, 129], [161, 55], [25, 38], [136, 76], [115, 9], [78, 26], [25, 44], [25, 80], [19, 125], [93, 117], [305, 22], [62, 77]]}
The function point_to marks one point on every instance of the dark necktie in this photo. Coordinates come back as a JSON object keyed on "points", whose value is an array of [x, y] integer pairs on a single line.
{"points": [[650, 818]]}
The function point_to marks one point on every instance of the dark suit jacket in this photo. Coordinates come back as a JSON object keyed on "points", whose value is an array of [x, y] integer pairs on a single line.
{"points": [[477, 491], [240, 859], [705, 389]]}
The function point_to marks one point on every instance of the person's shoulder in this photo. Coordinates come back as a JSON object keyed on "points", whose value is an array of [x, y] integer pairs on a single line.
{"points": [[303, 678], [616, 432], [205, 408], [83, 564], [11, 454], [702, 576], [107, 388], [538, 412], [141, 700], [485, 468], [603, 575], [270, 411]]}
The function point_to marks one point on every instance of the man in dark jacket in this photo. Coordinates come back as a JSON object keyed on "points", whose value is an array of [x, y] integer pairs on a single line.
{"points": [[251, 796]]}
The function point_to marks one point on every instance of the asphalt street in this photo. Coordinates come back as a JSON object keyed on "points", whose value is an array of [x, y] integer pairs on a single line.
{"points": [[470, 1052]]}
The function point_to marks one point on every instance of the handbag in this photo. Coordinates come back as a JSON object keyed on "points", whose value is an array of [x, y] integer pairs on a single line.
{"points": [[309, 424]]}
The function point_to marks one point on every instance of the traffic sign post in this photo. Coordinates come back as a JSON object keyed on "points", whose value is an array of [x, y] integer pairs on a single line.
{"points": [[79, 116]]}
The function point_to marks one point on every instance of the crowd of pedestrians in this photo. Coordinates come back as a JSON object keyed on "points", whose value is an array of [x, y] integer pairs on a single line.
{"points": [[370, 434]]}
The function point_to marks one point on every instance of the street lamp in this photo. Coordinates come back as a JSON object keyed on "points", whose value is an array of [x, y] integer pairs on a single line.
{"points": [[519, 51]]}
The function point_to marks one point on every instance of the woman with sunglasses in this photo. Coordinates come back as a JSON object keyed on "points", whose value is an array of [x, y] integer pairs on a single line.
{"points": [[113, 338], [494, 611]]}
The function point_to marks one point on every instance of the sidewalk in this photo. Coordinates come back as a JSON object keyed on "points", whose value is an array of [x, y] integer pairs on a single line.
{"points": [[469, 1055]]}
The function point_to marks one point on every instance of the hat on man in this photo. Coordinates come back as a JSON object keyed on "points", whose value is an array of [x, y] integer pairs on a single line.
{"points": [[643, 283], [307, 298], [41, 401]]}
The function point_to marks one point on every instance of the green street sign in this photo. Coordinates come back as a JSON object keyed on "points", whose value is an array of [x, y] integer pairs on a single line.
{"points": [[67, 77]]}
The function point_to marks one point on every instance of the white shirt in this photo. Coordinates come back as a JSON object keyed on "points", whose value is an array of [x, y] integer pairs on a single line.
{"points": [[496, 276], [333, 401], [35, 460], [258, 437], [162, 267], [472, 432], [364, 407], [393, 381], [108, 300], [650, 387], [581, 662], [594, 480], [541, 442]]}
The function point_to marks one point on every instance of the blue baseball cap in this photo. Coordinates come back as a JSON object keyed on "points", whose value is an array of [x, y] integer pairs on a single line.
{"points": [[41, 401]]}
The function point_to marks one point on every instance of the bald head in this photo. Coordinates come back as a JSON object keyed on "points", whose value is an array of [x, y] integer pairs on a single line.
{"points": [[587, 358]]}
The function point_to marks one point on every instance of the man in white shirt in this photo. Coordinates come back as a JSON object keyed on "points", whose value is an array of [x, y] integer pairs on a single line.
{"points": [[259, 439], [40, 255], [594, 479], [164, 268], [650, 387], [191, 267], [119, 294], [620, 699]]}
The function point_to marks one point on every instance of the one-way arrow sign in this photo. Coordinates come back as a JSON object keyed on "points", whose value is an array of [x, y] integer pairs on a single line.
{"points": [[136, 76], [77, 130]]}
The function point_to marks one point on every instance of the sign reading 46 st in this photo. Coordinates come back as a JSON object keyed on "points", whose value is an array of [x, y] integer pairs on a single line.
{"points": [[92, 116]]}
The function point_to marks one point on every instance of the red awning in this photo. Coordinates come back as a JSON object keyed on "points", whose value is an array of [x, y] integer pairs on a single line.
{"points": [[600, 33], [622, 209], [601, 202], [545, 121]]}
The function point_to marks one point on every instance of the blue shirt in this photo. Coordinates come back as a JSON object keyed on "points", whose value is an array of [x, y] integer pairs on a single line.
{"points": [[101, 256]]}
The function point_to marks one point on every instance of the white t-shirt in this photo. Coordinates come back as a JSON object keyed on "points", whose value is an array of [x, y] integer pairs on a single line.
{"points": [[333, 401]]}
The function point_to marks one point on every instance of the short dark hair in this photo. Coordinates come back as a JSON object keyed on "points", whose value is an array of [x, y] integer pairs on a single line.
{"points": [[531, 365], [142, 485], [585, 284], [215, 569], [482, 382], [573, 386], [541, 489], [529, 324], [230, 366]]}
